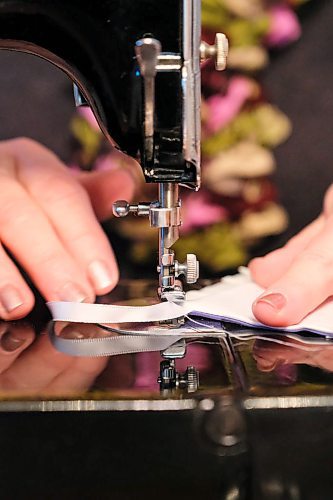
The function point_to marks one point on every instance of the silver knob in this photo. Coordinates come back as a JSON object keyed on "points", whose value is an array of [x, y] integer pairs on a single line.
{"points": [[192, 272], [218, 51], [192, 379], [121, 208], [190, 268]]}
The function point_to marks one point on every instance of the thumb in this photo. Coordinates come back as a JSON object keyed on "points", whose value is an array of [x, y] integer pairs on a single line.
{"points": [[107, 186]]}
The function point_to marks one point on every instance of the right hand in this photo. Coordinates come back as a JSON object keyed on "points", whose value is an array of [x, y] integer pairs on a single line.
{"points": [[299, 276]]}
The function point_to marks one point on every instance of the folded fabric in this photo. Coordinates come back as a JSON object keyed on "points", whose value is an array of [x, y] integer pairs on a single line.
{"points": [[229, 300]]}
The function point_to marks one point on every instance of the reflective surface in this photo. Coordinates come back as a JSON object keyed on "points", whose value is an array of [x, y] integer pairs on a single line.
{"points": [[262, 369], [259, 426]]}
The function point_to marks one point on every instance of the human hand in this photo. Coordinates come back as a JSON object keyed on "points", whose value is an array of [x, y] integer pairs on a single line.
{"points": [[269, 356], [299, 276], [31, 366], [48, 222]]}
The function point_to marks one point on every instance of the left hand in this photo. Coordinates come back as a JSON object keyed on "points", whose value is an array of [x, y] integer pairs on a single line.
{"points": [[49, 224], [31, 366]]}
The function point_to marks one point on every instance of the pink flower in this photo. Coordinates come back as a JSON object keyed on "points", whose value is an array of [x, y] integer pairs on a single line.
{"points": [[222, 109], [284, 26], [200, 211]]}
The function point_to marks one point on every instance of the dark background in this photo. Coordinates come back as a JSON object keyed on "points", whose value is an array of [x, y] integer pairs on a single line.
{"points": [[36, 101], [299, 81]]}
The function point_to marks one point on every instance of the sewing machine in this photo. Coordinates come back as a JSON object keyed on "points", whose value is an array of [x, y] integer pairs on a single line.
{"points": [[247, 432], [137, 65]]}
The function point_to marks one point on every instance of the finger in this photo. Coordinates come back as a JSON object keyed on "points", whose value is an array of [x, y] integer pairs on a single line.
{"points": [[306, 284], [14, 338], [27, 376], [16, 298], [269, 355], [105, 187], [68, 207], [78, 378], [28, 234], [268, 269]]}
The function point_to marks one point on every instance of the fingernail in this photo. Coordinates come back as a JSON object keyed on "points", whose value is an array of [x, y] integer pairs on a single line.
{"points": [[10, 298], [71, 292], [276, 300], [10, 342], [100, 275], [68, 333]]}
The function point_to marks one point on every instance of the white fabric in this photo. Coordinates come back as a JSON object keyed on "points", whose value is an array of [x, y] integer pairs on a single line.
{"points": [[229, 300], [112, 346], [79, 312]]}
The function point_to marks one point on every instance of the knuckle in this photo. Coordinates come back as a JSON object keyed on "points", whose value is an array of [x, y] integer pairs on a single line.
{"points": [[317, 258], [15, 217], [48, 259], [30, 151], [63, 190], [82, 237], [23, 144], [24, 141]]}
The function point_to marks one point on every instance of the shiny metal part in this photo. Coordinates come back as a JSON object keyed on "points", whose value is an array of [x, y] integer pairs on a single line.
{"points": [[79, 99], [165, 215], [176, 295], [151, 60], [147, 53], [158, 217], [122, 208], [170, 379], [168, 235], [176, 350], [168, 198], [191, 84], [168, 62], [218, 51], [189, 269]]}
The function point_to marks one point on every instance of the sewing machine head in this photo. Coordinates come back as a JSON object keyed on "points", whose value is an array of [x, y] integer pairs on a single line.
{"points": [[137, 65]]}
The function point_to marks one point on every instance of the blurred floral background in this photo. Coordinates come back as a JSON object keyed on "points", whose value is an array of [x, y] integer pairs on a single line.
{"points": [[237, 206]]}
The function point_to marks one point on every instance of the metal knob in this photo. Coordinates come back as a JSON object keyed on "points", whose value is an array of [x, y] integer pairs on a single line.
{"points": [[218, 51], [190, 268], [121, 208], [192, 273], [191, 378], [170, 379]]}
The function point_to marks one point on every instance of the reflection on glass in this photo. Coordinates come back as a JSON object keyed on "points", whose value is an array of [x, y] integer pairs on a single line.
{"points": [[30, 367], [293, 359]]}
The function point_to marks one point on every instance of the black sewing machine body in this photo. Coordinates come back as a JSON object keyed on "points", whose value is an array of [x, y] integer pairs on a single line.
{"points": [[94, 43]]}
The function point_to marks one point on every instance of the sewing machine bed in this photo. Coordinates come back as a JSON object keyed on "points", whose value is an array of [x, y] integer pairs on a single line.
{"points": [[258, 427]]}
